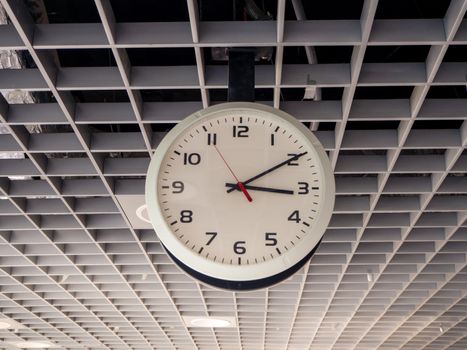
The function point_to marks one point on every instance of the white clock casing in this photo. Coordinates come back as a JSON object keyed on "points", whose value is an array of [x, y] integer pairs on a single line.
{"points": [[254, 274]]}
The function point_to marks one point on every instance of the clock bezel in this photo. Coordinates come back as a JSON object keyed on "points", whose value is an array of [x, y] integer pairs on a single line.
{"points": [[219, 270]]}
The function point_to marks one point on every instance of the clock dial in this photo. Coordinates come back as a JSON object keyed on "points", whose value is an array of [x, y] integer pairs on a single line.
{"points": [[240, 191]]}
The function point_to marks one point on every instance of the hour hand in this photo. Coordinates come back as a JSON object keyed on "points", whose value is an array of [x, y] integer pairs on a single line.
{"points": [[258, 188]]}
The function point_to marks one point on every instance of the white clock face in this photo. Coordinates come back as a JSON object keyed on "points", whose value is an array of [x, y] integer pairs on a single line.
{"points": [[240, 193]]}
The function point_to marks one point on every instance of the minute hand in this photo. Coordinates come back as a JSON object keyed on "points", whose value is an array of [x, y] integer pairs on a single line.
{"points": [[270, 170]]}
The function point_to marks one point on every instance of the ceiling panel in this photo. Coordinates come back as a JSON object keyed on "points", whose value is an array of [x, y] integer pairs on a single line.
{"points": [[89, 88]]}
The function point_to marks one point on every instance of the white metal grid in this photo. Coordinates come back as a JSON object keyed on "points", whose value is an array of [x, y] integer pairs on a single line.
{"points": [[391, 271]]}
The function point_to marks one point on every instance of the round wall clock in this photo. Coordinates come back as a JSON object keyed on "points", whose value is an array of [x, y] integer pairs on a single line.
{"points": [[240, 195]]}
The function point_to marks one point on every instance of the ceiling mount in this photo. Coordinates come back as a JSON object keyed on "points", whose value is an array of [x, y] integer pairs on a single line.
{"points": [[241, 74]]}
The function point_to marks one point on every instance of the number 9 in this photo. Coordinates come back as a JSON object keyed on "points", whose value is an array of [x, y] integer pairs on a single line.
{"points": [[178, 185]]}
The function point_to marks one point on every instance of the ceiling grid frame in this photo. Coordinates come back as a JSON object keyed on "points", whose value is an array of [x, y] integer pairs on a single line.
{"points": [[36, 224], [124, 66], [419, 96], [24, 16], [358, 52], [356, 215]]}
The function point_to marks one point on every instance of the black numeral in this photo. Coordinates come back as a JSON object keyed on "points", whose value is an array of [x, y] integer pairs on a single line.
{"points": [[212, 139], [303, 188], [178, 187], [295, 216], [292, 162], [186, 216], [272, 139], [270, 238], [240, 131], [191, 158], [213, 235], [239, 248]]}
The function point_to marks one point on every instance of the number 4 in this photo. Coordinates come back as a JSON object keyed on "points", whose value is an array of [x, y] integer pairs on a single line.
{"points": [[295, 216]]}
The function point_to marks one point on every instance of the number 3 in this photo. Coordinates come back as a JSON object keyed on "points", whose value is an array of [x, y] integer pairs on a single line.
{"points": [[303, 188]]}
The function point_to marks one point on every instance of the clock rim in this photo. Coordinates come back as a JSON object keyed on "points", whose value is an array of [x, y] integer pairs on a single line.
{"points": [[238, 272], [243, 285]]}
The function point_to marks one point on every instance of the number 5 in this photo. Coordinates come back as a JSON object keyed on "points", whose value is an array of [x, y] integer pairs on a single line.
{"points": [[270, 238]]}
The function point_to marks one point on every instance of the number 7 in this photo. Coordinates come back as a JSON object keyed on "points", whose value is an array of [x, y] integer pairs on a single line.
{"points": [[213, 235]]}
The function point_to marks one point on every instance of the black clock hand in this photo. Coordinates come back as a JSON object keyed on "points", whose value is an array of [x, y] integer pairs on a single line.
{"points": [[269, 170], [257, 188]]}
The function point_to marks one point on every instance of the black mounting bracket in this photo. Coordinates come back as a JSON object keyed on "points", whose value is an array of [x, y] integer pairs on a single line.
{"points": [[241, 74]]}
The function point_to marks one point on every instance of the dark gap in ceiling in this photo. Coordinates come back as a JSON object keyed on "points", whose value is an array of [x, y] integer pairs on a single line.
{"points": [[56, 128], [362, 152], [404, 9], [447, 92], [410, 152], [123, 154], [100, 96], [77, 177], [150, 10], [162, 56], [27, 59], [162, 127], [382, 54], [129, 177], [43, 96], [354, 175], [373, 125], [456, 53], [220, 95], [66, 155], [324, 54], [383, 92], [264, 94], [294, 55], [86, 58], [72, 11], [171, 95], [233, 10], [409, 175], [218, 56], [115, 127], [333, 54], [437, 124], [456, 175], [400, 195], [331, 9], [208, 57], [326, 126], [296, 94]]}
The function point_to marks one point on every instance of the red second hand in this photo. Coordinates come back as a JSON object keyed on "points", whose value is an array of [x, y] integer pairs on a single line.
{"points": [[239, 184]]}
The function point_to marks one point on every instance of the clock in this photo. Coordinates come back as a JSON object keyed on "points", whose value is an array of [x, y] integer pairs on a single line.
{"points": [[240, 195]]}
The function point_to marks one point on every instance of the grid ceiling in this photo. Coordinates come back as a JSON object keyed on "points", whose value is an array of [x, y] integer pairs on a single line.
{"points": [[391, 271]]}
